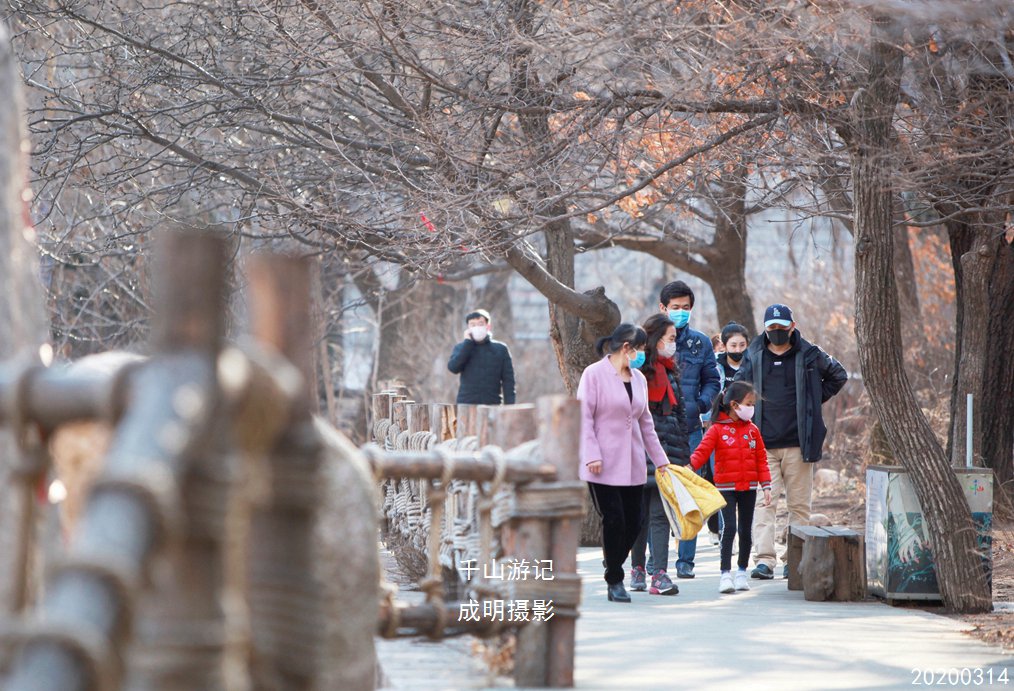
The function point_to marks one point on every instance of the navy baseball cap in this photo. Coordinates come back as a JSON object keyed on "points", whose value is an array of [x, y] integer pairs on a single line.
{"points": [[777, 314]]}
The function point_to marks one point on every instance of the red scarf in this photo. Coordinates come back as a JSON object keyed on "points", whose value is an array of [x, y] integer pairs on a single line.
{"points": [[657, 390]]}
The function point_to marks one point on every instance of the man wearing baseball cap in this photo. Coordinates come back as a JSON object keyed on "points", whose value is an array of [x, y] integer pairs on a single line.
{"points": [[792, 378]]}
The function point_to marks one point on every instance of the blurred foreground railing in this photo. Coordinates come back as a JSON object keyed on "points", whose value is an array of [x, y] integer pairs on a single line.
{"points": [[500, 484], [147, 595]]}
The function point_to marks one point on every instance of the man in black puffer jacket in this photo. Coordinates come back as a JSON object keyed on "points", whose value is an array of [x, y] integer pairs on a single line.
{"points": [[485, 366], [792, 379]]}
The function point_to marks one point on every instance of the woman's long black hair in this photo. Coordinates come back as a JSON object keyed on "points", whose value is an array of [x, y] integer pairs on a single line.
{"points": [[654, 327], [735, 393], [624, 333]]}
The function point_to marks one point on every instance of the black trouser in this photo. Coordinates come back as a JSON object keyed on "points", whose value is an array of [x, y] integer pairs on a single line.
{"points": [[620, 509], [741, 503], [653, 519]]}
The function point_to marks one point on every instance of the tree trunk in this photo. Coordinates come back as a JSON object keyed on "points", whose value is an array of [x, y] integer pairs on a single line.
{"points": [[908, 291], [573, 338], [984, 277], [962, 579], [960, 239], [727, 278], [420, 322], [22, 310], [998, 387], [976, 271]]}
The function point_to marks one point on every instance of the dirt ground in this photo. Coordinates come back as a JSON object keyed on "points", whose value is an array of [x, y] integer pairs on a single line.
{"points": [[846, 506]]}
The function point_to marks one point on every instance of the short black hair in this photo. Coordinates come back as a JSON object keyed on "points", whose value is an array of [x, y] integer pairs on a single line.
{"points": [[475, 314], [676, 289]]}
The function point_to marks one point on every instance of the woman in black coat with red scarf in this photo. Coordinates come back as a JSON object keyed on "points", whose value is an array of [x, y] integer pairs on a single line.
{"points": [[665, 402]]}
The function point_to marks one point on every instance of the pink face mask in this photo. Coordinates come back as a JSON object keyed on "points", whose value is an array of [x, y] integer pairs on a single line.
{"points": [[745, 412]]}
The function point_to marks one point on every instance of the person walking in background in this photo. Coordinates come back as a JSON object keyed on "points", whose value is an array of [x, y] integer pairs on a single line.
{"points": [[485, 366], [735, 339], [699, 380], [665, 402], [792, 379], [741, 468], [616, 433]]}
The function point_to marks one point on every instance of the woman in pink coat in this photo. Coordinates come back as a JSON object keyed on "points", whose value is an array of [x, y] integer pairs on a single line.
{"points": [[616, 433]]}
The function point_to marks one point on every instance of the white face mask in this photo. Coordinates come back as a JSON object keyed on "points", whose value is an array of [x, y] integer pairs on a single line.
{"points": [[479, 333], [669, 350], [745, 412]]}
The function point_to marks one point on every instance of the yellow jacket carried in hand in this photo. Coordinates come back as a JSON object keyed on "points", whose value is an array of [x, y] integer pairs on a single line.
{"points": [[688, 499]]}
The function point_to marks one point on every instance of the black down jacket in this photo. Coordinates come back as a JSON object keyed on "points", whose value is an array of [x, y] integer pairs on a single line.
{"points": [[670, 424], [822, 377]]}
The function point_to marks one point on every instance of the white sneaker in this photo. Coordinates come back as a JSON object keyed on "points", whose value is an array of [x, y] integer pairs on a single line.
{"points": [[741, 582], [725, 583], [715, 539]]}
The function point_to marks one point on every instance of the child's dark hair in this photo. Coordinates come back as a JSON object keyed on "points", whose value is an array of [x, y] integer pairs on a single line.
{"points": [[624, 333], [477, 314], [676, 289], [732, 329], [654, 327], [735, 393]]}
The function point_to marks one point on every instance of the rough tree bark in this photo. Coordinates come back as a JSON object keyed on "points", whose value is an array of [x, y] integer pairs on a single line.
{"points": [[22, 310], [908, 291], [983, 264], [976, 271], [998, 389], [962, 579], [727, 261]]}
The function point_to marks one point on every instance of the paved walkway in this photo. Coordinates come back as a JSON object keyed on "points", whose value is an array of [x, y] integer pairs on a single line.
{"points": [[768, 638]]}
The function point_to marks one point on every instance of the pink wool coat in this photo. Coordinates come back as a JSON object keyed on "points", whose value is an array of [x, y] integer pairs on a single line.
{"points": [[614, 429]]}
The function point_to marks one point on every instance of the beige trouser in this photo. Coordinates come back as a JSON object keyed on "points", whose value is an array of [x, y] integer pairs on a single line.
{"points": [[791, 474]]}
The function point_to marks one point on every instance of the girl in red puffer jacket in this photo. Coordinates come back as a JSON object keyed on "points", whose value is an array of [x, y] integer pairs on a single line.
{"points": [[741, 467]]}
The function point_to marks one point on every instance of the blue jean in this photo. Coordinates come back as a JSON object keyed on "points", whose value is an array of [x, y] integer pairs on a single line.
{"points": [[687, 549]]}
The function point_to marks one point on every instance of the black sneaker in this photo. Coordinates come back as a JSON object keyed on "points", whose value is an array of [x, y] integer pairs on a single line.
{"points": [[763, 572]]}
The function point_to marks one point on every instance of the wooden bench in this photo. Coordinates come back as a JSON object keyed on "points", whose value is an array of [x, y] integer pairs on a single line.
{"points": [[826, 563]]}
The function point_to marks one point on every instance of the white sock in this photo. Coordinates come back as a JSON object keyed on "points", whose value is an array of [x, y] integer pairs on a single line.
{"points": [[727, 572]]}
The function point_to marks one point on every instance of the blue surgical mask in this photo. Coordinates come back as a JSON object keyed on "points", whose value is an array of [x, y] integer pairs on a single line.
{"points": [[638, 361], [680, 317]]}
